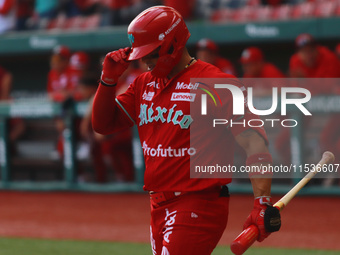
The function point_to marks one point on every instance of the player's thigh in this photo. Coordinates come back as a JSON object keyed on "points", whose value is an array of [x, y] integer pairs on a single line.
{"points": [[196, 231], [156, 240]]}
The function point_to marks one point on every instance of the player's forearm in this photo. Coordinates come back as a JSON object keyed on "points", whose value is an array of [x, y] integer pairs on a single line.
{"points": [[261, 186], [257, 157], [103, 111]]}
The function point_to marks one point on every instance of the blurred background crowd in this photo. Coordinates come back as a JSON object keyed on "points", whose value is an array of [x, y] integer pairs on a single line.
{"points": [[72, 76], [19, 15]]}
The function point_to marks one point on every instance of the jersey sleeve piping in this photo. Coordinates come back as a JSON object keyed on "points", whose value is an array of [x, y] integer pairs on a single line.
{"points": [[120, 105]]}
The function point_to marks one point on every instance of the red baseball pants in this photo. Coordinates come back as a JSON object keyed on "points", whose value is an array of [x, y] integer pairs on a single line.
{"points": [[190, 224]]}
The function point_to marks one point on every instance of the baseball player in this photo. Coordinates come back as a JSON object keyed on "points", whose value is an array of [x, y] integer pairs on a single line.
{"points": [[79, 66], [255, 66], [208, 51], [337, 50], [58, 79], [188, 215], [312, 60]]}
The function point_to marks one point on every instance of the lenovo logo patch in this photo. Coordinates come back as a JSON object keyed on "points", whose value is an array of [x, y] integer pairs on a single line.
{"points": [[189, 97]]}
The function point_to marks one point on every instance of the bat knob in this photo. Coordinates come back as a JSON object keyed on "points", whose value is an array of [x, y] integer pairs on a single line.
{"points": [[329, 156]]}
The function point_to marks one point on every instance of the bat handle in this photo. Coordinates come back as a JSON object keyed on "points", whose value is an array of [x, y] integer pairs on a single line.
{"points": [[244, 240]]}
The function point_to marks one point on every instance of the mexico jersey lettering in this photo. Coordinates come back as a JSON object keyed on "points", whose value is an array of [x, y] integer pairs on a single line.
{"points": [[169, 138]]}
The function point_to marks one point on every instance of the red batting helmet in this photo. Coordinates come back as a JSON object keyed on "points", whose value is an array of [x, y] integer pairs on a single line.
{"points": [[304, 40], [158, 27], [251, 55], [79, 60], [62, 50], [208, 44]]}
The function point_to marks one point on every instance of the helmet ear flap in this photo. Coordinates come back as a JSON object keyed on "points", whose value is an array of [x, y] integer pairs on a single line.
{"points": [[166, 62], [169, 55]]}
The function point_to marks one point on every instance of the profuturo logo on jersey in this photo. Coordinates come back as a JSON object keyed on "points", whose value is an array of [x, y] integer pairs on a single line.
{"points": [[168, 152], [149, 114]]}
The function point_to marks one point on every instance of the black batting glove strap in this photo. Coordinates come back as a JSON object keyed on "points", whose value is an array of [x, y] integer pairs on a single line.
{"points": [[107, 85], [272, 219]]}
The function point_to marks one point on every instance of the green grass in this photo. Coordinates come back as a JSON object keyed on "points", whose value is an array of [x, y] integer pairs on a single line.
{"points": [[18, 246]]}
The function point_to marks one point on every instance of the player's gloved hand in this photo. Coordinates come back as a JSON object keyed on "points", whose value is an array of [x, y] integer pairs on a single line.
{"points": [[114, 65], [264, 216]]}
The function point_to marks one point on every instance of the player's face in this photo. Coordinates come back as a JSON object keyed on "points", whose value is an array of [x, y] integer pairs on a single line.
{"points": [[58, 63], [151, 59], [206, 56], [309, 55], [252, 69]]}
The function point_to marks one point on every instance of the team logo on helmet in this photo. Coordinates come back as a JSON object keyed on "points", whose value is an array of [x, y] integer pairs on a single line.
{"points": [[161, 36], [131, 38]]}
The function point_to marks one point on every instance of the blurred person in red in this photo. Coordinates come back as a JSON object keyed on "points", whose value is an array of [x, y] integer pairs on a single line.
{"points": [[121, 12], [315, 61], [58, 80], [24, 12], [108, 152], [58, 87], [79, 65], [87, 86], [5, 84], [255, 66], [312, 60], [185, 8], [273, 2], [118, 146], [89, 7], [16, 125], [337, 50], [7, 15], [207, 51], [112, 15]]}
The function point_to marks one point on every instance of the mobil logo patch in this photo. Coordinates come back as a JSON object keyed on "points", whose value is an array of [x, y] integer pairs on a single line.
{"points": [[188, 97], [182, 85]]}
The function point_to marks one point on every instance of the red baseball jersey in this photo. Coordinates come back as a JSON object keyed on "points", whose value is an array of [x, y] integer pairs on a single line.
{"points": [[225, 65], [327, 66], [268, 71], [170, 140], [59, 81]]}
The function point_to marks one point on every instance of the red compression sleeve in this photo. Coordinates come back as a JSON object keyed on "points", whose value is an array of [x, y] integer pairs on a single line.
{"points": [[107, 117]]}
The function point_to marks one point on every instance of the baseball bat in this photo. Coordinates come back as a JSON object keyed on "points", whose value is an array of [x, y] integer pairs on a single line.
{"points": [[249, 235]]}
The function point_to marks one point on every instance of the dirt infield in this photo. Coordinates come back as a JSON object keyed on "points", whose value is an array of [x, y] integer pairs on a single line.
{"points": [[308, 222]]}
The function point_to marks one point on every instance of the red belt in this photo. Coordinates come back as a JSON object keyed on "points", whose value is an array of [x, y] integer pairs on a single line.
{"points": [[159, 197]]}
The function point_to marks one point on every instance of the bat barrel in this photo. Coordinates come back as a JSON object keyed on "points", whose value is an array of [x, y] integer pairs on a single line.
{"points": [[244, 240]]}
